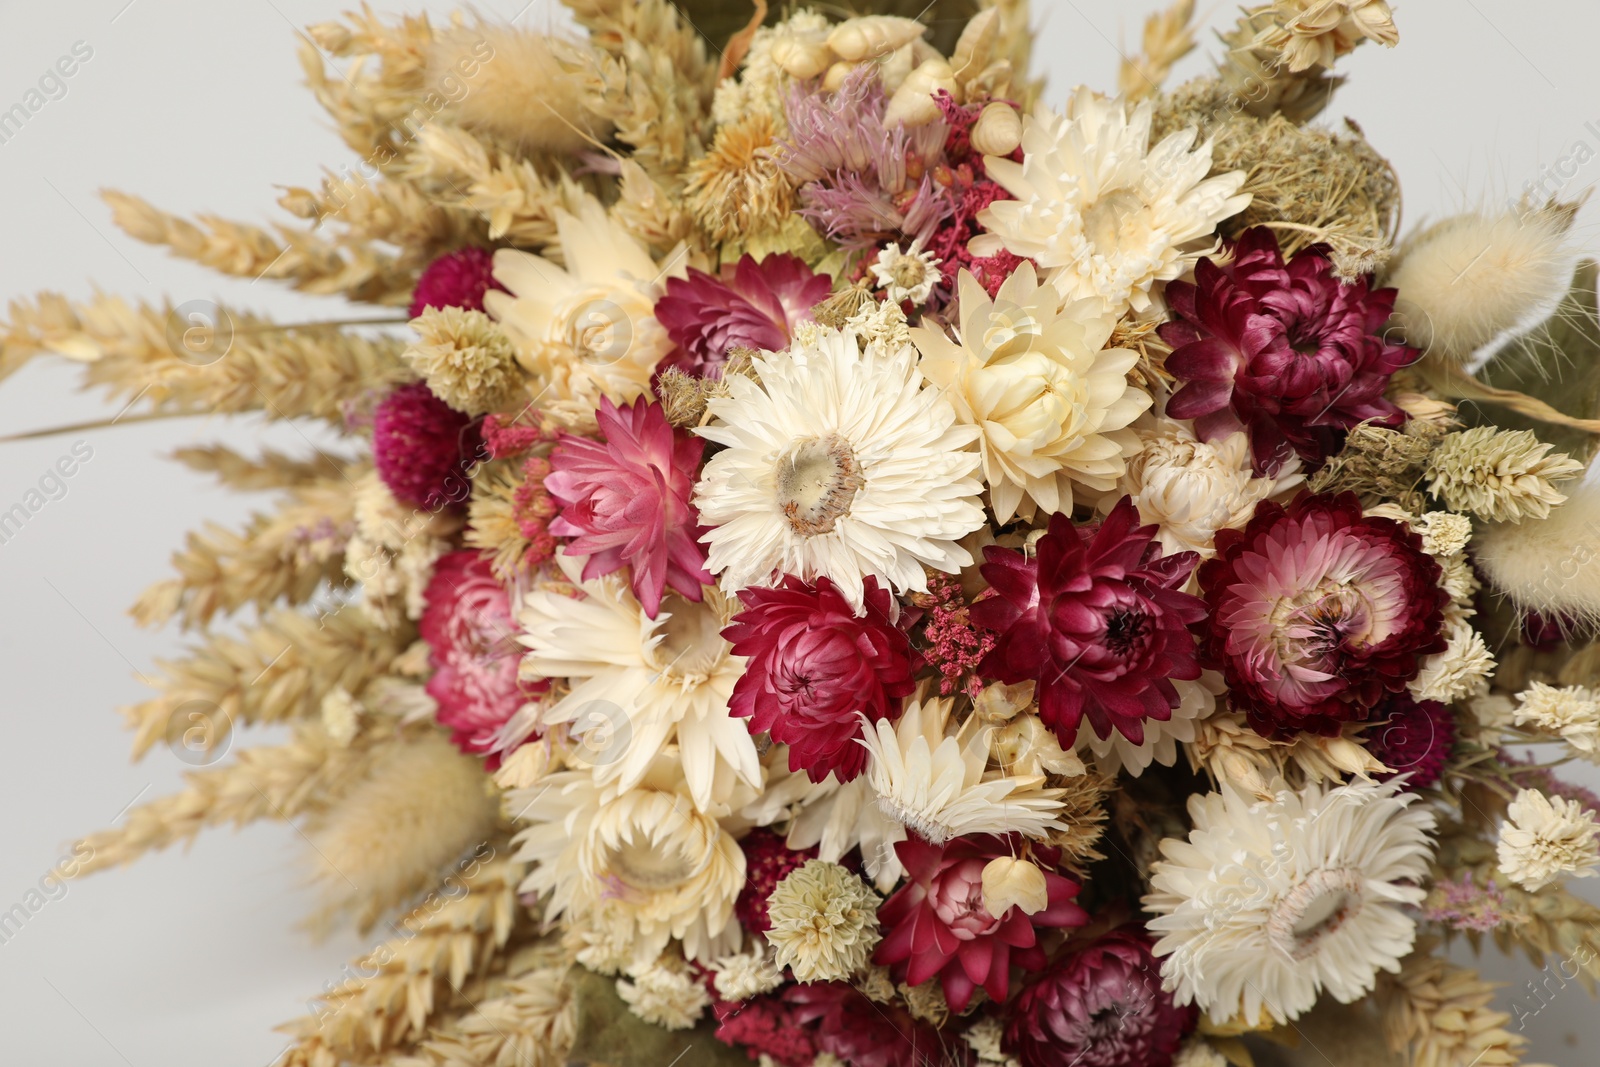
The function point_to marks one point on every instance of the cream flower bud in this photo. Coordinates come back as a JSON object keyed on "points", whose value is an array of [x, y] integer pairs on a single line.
{"points": [[1009, 882]]}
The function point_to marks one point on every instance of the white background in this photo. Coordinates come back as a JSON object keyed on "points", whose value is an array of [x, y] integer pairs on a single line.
{"points": [[192, 959]]}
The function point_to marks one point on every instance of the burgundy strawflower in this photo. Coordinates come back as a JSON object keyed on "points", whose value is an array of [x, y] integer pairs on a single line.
{"points": [[423, 448], [1285, 352], [1099, 1005], [749, 305], [472, 639], [766, 1025], [815, 667], [1098, 620], [767, 861], [1318, 612], [936, 924], [863, 1033], [625, 502], [455, 280], [1415, 738]]}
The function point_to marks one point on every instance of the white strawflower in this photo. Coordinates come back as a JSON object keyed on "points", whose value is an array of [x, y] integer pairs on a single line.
{"points": [[586, 329], [745, 975], [1189, 489], [1544, 838], [909, 275], [824, 922], [1462, 670], [641, 866], [836, 818], [933, 779], [837, 462], [665, 997], [1052, 404], [1572, 711], [1106, 215], [638, 685], [1269, 903]]}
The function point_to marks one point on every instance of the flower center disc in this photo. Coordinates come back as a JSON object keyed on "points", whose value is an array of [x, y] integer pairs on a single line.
{"points": [[691, 644], [817, 479], [643, 864], [1314, 909]]}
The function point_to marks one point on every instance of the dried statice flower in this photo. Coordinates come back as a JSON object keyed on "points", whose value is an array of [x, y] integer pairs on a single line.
{"points": [[824, 922], [465, 359], [1499, 475]]}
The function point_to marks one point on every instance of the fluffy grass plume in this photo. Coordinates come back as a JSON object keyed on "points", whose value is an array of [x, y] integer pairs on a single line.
{"points": [[1551, 566]]}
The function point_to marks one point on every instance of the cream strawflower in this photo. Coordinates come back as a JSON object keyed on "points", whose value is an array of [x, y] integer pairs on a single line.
{"points": [[643, 862], [824, 922], [932, 777], [637, 684], [1268, 903], [1189, 489], [587, 329], [837, 461], [665, 996], [1572, 711], [1102, 212], [1544, 838], [834, 819], [1052, 404]]}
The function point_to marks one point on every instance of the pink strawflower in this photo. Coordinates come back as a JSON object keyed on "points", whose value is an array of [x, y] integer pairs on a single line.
{"points": [[1287, 353], [863, 1033], [471, 635], [1319, 612], [1098, 620], [935, 925], [625, 502], [815, 668], [458, 279], [423, 448], [1415, 738], [767, 861], [1099, 1005], [950, 640], [748, 305]]}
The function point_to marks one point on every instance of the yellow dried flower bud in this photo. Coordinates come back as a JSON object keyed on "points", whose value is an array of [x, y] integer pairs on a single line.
{"points": [[1009, 882], [871, 36], [998, 130]]}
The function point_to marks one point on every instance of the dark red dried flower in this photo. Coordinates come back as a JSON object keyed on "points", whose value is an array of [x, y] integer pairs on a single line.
{"points": [[950, 641], [815, 668], [1099, 1005], [422, 448], [1318, 612], [749, 305], [1284, 352], [864, 1033], [936, 924], [1415, 738], [767, 861], [765, 1026], [458, 280], [1098, 620]]}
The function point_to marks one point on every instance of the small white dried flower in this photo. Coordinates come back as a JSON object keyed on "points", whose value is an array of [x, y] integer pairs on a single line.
{"points": [[1444, 533], [1544, 838], [1461, 670], [1499, 475], [880, 322], [909, 275], [1460, 581], [983, 1038], [1198, 1052], [1572, 711], [824, 922], [745, 975], [341, 715], [665, 997], [465, 359]]}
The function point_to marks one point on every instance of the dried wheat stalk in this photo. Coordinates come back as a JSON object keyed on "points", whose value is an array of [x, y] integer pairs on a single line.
{"points": [[461, 171], [533, 1023], [392, 211], [1440, 1015], [271, 470]]}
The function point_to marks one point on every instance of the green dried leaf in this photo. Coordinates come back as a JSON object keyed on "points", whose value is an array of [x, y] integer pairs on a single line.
{"points": [[1557, 362], [609, 1035]]}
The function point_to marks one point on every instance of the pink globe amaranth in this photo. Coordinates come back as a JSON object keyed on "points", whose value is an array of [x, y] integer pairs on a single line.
{"points": [[1286, 353], [935, 925], [1100, 1004], [863, 1033], [1414, 737], [1318, 613], [1097, 619], [423, 449], [471, 634], [815, 668], [457, 279], [625, 502], [750, 304]]}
